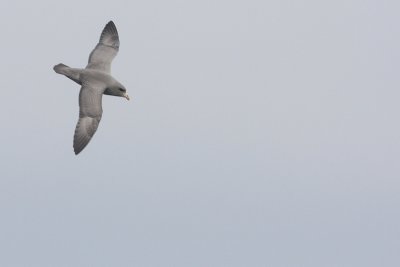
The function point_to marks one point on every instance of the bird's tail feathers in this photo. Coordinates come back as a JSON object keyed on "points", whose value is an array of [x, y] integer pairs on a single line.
{"points": [[60, 68], [71, 73]]}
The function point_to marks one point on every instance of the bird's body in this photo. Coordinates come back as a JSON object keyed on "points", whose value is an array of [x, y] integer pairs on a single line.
{"points": [[95, 80]]}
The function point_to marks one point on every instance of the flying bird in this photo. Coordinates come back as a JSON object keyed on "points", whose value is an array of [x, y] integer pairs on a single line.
{"points": [[95, 80]]}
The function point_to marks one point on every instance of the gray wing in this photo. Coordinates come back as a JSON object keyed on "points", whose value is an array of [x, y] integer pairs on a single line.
{"points": [[90, 112], [106, 50]]}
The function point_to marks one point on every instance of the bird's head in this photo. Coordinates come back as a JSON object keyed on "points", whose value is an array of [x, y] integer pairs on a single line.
{"points": [[117, 90], [122, 92]]}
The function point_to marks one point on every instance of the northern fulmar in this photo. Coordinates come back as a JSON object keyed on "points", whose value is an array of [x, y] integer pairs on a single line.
{"points": [[95, 80]]}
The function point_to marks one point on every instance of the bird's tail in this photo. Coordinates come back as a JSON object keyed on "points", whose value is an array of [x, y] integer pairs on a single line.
{"points": [[61, 68], [71, 73]]}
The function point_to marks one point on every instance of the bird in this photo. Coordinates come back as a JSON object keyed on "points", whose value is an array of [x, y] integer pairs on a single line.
{"points": [[95, 80]]}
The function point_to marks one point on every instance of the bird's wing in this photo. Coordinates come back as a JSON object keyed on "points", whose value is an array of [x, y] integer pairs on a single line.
{"points": [[106, 50], [90, 112]]}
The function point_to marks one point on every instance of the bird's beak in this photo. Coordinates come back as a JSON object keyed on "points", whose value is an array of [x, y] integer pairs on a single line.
{"points": [[126, 96]]}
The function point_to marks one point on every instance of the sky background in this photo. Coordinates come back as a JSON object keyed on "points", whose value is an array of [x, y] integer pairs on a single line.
{"points": [[261, 133]]}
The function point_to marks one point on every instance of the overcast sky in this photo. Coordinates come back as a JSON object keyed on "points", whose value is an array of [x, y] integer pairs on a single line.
{"points": [[261, 133]]}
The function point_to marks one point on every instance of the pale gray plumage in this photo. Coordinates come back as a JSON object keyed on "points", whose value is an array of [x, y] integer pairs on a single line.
{"points": [[95, 80], [106, 50]]}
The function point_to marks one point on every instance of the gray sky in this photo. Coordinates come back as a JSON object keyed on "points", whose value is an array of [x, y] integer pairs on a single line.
{"points": [[261, 133]]}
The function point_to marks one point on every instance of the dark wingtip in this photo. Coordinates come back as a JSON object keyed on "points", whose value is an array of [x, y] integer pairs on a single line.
{"points": [[77, 151], [110, 26], [78, 147], [110, 30]]}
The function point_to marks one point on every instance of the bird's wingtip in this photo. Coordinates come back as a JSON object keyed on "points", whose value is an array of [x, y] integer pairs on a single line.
{"points": [[111, 23]]}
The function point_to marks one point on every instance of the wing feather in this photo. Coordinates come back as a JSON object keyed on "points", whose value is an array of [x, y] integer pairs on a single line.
{"points": [[90, 112], [106, 50]]}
